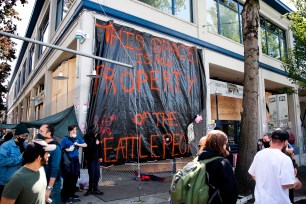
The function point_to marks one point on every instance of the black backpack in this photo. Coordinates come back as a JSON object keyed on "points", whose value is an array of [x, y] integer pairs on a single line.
{"points": [[65, 158]]}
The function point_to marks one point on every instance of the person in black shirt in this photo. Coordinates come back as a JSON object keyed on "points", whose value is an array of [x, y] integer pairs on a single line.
{"points": [[93, 157]]}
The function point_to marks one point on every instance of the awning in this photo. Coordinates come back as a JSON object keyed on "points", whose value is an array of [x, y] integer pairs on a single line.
{"points": [[60, 120]]}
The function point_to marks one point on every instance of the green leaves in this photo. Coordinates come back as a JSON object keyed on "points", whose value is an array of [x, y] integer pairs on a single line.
{"points": [[8, 15], [295, 63]]}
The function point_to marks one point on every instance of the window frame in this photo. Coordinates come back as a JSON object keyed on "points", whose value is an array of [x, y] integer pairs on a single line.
{"points": [[237, 11], [173, 6], [278, 34], [42, 31]]}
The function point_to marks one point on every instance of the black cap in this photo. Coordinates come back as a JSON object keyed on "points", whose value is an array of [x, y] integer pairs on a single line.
{"points": [[21, 129], [280, 135]]}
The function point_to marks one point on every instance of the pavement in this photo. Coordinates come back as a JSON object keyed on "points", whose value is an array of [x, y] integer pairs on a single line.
{"points": [[163, 198]]}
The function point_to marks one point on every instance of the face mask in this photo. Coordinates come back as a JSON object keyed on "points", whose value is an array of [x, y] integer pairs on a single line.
{"points": [[266, 144], [74, 135], [39, 136], [20, 140]]}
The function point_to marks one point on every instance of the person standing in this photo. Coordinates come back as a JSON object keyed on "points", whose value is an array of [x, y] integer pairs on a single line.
{"points": [[28, 184], [222, 183], [70, 176], [52, 169], [93, 157], [273, 171], [10, 155]]}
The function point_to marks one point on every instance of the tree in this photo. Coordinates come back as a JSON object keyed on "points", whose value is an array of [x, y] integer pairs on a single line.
{"points": [[249, 115], [7, 50], [295, 63]]}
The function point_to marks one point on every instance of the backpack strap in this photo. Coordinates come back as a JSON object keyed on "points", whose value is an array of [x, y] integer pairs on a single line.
{"points": [[206, 161]]}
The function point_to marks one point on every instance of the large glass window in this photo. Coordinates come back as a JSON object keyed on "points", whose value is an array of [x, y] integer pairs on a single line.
{"points": [[273, 39], [43, 34], [224, 18], [180, 8], [62, 8], [31, 59]]}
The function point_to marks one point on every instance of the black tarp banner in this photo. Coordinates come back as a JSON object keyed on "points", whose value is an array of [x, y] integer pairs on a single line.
{"points": [[144, 112]]}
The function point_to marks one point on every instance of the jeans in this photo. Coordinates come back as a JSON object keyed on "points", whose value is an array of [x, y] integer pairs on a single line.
{"points": [[69, 183], [94, 174], [56, 192]]}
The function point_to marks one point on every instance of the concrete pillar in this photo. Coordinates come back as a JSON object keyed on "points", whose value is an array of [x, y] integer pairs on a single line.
{"points": [[84, 67], [294, 118], [32, 104], [24, 109], [263, 122], [48, 93], [208, 83]]}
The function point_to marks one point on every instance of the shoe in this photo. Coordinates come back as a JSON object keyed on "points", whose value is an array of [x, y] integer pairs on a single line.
{"points": [[69, 201], [89, 192], [97, 192], [76, 197]]}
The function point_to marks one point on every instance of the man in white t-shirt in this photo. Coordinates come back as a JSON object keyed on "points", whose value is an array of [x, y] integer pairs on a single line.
{"points": [[273, 172]]}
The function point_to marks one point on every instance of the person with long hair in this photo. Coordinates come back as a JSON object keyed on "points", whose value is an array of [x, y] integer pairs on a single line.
{"points": [[223, 186]]}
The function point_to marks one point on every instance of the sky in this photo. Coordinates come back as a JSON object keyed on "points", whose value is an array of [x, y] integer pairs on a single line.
{"points": [[22, 25]]}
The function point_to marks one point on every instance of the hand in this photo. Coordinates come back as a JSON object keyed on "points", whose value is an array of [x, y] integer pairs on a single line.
{"points": [[76, 144], [100, 160], [48, 192], [70, 149]]}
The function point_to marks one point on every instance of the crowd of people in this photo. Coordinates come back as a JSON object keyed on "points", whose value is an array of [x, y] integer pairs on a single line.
{"points": [[31, 170], [273, 169]]}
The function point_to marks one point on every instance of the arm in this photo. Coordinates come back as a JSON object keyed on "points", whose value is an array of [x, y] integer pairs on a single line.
{"points": [[7, 201], [6, 159], [297, 185], [228, 185], [80, 142], [55, 169]]}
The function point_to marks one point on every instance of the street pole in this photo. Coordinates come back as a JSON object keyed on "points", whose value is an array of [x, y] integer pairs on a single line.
{"points": [[65, 49]]}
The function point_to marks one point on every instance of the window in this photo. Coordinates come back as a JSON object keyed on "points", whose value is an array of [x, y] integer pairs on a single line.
{"points": [[31, 60], [224, 18], [62, 8], [273, 39], [180, 8], [43, 34]]}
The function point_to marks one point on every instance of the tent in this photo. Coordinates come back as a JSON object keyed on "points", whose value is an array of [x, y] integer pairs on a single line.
{"points": [[60, 120]]}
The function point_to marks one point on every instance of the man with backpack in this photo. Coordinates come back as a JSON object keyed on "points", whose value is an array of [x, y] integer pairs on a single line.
{"points": [[52, 169]]}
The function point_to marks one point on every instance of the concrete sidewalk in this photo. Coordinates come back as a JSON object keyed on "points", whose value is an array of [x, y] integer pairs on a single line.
{"points": [[163, 198]]}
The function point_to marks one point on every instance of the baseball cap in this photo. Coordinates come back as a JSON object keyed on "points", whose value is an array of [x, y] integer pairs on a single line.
{"points": [[47, 147], [280, 135]]}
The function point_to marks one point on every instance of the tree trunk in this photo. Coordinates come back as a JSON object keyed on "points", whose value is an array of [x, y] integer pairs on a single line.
{"points": [[249, 116]]}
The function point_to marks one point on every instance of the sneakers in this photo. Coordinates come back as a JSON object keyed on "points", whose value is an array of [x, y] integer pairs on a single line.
{"points": [[76, 197], [69, 201], [97, 192], [89, 192]]}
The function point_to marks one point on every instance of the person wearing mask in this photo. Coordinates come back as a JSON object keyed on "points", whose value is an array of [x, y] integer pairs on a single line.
{"points": [[273, 171], [222, 183], [71, 143], [52, 169], [266, 139], [28, 184], [11, 154], [93, 157]]}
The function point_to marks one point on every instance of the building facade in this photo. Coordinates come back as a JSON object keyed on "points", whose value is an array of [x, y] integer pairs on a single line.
{"points": [[213, 26]]}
